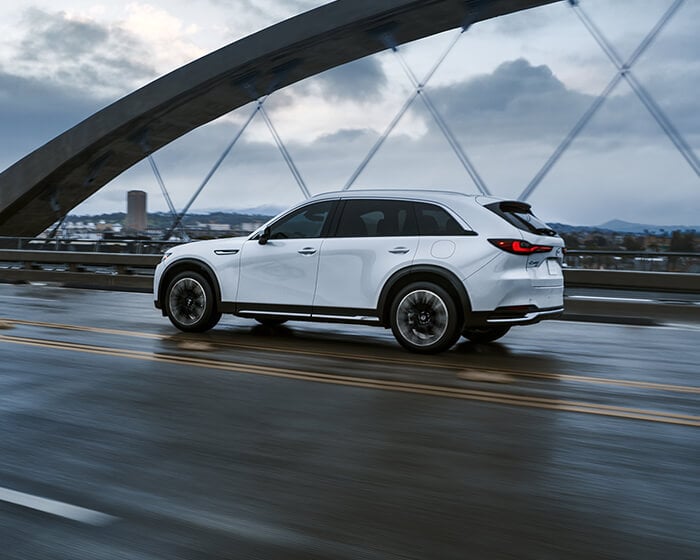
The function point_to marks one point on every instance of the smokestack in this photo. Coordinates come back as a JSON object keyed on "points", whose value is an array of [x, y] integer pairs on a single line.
{"points": [[136, 211]]}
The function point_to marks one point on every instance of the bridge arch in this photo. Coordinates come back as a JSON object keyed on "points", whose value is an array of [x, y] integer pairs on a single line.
{"points": [[50, 181]]}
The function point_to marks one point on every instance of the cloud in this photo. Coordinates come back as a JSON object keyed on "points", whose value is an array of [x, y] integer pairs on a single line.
{"points": [[165, 39], [253, 15], [361, 80], [60, 36], [36, 111], [102, 59], [517, 99], [526, 103]]}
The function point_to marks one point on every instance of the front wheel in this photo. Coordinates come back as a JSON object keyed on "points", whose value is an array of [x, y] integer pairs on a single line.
{"points": [[485, 334], [424, 318], [189, 303]]}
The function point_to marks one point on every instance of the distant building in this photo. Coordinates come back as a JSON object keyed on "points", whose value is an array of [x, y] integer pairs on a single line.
{"points": [[136, 218], [249, 227], [213, 227]]}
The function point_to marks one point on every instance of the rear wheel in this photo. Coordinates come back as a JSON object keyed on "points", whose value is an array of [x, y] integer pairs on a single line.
{"points": [[189, 303], [485, 334], [424, 318]]}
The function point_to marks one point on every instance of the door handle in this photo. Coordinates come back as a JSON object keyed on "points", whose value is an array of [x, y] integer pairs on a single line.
{"points": [[399, 250], [307, 251]]}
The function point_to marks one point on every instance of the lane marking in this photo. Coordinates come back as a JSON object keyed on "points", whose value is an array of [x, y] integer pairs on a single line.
{"points": [[619, 299], [658, 301], [81, 328], [379, 384], [652, 385], [59, 509]]}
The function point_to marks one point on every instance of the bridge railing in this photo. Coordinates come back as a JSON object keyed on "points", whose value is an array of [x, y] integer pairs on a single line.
{"points": [[638, 261], [116, 245], [90, 269], [129, 264]]}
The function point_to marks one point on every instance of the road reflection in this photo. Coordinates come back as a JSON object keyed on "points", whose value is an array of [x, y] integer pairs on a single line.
{"points": [[324, 441]]}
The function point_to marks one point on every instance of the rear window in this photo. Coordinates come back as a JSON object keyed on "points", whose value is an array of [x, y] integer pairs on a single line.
{"points": [[520, 215], [433, 220]]}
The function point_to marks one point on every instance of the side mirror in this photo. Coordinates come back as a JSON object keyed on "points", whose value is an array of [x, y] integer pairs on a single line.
{"points": [[265, 237]]}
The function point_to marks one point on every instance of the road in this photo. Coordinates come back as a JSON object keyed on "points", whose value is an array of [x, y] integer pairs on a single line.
{"points": [[121, 438]]}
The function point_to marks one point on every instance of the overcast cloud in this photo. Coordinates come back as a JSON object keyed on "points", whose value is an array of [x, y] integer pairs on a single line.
{"points": [[510, 91]]}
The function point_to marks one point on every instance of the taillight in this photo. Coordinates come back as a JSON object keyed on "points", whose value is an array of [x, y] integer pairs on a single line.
{"points": [[519, 247]]}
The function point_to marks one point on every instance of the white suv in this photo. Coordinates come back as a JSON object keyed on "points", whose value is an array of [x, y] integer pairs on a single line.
{"points": [[429, 265]]}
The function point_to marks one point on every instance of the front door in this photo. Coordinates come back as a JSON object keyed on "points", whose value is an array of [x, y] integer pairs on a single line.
{"points": [[280, 275]]}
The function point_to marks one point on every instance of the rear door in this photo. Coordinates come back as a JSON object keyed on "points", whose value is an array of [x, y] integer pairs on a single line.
{"points": [[374, 238]]}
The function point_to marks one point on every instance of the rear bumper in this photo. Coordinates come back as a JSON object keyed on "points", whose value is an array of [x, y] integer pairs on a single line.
{"points": [[515, 315]]}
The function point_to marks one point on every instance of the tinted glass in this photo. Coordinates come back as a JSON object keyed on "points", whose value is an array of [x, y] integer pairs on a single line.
{"points": [[377, 218], [520, 215], [307, 222], [433, 220]]}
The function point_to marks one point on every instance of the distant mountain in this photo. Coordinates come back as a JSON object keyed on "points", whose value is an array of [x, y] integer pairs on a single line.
{"points": [[263, 210], [566, 228], [630, 227], [621, 226]]}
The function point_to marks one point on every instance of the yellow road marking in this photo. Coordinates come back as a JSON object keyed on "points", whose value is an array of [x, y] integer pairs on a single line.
{"points": [[378, 384], [383, 359]]}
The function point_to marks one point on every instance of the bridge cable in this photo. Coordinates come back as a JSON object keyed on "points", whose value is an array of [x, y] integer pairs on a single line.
{"points": [[597, 103], [166, 195], [215, 167], [643, 95], [285, 153], [444, 128], [389, 129]]}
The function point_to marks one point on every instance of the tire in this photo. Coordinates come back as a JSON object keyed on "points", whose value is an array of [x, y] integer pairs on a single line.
{"points": [[485, 334], [270, 321], [189, 303], [424, 318]]}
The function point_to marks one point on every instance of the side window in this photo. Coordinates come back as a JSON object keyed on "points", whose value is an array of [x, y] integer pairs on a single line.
{"points": [[377, 218], [307, 222], [433, 220]]}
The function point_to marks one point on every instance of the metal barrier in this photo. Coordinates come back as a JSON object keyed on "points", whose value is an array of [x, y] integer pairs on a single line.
{"points": [[116, 245], [79, 269], [113, 269], [640, 261]]}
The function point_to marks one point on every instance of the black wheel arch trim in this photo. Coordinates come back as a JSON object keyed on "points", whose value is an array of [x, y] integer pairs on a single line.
{"points": [[419, 271], [188, 264]]}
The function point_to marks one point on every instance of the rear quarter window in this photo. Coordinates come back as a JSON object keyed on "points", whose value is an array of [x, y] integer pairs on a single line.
{"points": [[433, 220]]}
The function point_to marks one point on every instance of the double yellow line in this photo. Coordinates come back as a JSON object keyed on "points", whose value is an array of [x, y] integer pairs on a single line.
{"points": [[432, 363], [376, 384]]}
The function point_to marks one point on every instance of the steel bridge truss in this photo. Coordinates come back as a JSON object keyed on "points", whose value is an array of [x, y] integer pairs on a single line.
{"points": [[419, 90]]}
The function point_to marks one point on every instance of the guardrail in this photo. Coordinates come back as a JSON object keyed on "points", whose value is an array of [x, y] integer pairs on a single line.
{"points": [[117, 245], [639, 261], [673, 282], [76, 269], [128, 271]]}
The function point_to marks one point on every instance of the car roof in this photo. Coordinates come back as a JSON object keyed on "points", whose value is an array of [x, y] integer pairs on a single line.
{"points": [[411, 194]]}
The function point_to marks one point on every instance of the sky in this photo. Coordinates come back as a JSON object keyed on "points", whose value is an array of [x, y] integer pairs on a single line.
{"points": [[510, 91]]}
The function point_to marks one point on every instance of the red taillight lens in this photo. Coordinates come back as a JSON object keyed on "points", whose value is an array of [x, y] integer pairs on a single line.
{"points": [[519, 247]]}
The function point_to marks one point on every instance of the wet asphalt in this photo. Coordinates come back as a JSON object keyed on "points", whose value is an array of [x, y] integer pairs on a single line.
{"points": [[564, 440]]}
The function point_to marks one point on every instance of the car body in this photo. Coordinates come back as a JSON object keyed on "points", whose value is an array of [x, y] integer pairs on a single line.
{"points": [[430, 265]]}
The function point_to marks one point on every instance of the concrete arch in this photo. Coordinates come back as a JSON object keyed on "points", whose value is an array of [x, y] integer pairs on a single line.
{"points": [[56, 177]]}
